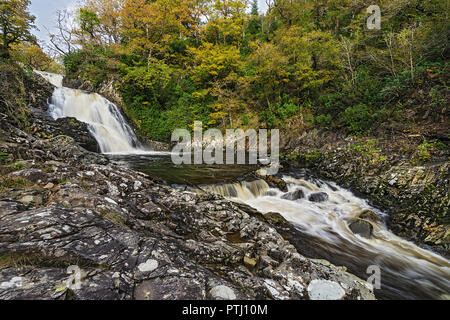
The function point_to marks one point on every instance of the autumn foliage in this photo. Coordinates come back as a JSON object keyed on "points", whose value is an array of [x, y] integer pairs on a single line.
{"points": [[301, 64]]}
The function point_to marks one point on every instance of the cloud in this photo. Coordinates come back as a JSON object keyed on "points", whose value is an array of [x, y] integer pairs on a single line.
{"points": [[45, 10]]}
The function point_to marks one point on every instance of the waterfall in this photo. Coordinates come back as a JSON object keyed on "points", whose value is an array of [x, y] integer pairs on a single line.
{"points": [[407, 271], [104, 120]]}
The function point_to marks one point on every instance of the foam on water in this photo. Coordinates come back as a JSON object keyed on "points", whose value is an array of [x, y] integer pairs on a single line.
{"points": [[408, 271]]}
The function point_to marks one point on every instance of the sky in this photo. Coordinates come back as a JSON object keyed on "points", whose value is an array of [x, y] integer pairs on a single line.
{"points": [[45, 10]]}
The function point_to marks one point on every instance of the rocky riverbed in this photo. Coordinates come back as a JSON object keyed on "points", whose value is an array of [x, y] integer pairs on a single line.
{"points": [[403, 175], [133, 237]]}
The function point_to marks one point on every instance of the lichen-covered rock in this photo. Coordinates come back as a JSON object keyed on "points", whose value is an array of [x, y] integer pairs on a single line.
{"points": [[325, 290], [133, 238], [44, 127]]}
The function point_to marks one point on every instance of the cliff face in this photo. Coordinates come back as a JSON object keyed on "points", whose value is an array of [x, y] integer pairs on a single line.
{"points": [[133, 238], [401, 174]]}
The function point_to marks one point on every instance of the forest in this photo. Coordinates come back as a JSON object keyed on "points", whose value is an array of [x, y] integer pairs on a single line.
{"points": [[93, 205], [302, 64]]}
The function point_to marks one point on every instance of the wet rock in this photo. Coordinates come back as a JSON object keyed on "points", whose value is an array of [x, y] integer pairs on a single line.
{"points": [[134, 238], [362, 228], [318, 197], [45, 127], [414, 193], [369, 215], [325, 290], [298, 194], [276, 218], [170, 288], [79, 131], [275, 182], [39, 91]]}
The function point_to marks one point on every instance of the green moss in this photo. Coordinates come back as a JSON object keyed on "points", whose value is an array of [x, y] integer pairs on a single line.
{"points": [[18, 165], [425, 151], [112, 216], [13, 183], [312, 157], [74, 123], [369, 150]]}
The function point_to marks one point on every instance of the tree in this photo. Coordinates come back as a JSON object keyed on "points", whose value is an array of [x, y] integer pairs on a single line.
{"points": [[254, 26], [214, 62], [227, 22], [15, 24], [31, 55], [89, 23], [63, 42], [108, 13], [149, 27], [255, 10]]}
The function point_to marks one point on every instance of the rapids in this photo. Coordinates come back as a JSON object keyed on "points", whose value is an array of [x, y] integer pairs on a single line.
{"points": [[407, 271]]}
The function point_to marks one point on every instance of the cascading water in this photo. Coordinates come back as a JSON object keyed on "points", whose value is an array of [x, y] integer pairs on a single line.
{"points": [[105, 122], [407, 271]]}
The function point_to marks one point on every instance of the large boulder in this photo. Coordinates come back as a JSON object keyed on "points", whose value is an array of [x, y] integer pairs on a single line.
{"points": [[369, 215], [318, 197], [39, 91], [45, 127], [362, 228], [79, 131], [295, 195]]}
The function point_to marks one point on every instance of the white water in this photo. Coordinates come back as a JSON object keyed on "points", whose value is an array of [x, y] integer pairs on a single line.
{"points": [[407, 271], [105, 122]]}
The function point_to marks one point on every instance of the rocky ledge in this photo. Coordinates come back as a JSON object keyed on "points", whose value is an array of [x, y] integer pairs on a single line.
{"points": [[134, 238]]}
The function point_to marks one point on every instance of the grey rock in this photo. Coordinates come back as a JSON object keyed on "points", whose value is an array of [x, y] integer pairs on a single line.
{"points": [[318, 197], [325, 290], [362, 227], [222, 293], [298, 194]]}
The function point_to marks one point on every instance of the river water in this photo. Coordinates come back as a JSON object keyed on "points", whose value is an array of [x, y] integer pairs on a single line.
{"points": [[407, 271], [322, 228]]}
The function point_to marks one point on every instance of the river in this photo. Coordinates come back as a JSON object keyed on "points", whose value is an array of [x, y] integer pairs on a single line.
{"points": [[322, 228]]}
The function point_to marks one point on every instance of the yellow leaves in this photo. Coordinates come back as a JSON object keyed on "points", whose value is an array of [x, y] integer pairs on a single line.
{"points": [[227, 22], [150, 26], [200, 95], [213, 62], [31, 55]]}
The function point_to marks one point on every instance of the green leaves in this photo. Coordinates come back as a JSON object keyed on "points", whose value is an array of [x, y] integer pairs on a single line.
{"points": [[15, 23], [214, 62], [300, 64]]}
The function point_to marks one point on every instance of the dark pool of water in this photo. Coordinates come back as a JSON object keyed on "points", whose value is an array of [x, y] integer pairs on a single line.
{"points": [[161, 167]]}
